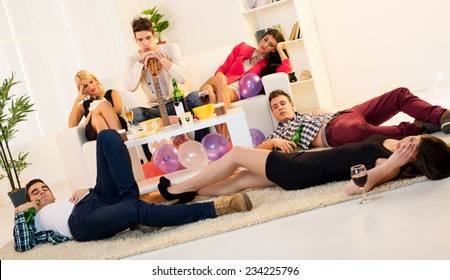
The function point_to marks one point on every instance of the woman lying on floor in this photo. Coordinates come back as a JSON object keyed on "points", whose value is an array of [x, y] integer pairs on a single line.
{"points": [[386, 159]]}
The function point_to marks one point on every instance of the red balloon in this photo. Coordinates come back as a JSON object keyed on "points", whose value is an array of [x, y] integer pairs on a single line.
{"points": [[150, 170]]}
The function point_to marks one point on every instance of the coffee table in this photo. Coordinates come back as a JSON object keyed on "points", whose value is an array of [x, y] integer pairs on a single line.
{"points": [[237, 127]]}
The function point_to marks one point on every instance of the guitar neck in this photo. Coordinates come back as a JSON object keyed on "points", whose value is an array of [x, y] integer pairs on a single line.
{"points": [[161, 103]]}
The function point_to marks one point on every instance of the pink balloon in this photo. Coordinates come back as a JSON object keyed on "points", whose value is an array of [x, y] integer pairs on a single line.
{"points": [[257, 136], [216, 145], [249, 85], [166, 158], [192, 155]]}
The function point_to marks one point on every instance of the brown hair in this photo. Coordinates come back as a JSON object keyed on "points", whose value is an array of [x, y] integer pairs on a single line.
{"points": [[274, 59], [141, 24], [433, 158], [279, 92], [29, 184]]}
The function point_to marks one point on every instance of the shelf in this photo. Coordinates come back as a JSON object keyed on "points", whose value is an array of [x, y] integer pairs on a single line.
{"points": [[268, 6], [289, 42], [310, 80]]}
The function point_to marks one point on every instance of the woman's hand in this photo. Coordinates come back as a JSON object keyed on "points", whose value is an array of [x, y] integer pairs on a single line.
{"points": [[351, 188], [404, 154], [281, 46], [81, 95], [78, 195]]}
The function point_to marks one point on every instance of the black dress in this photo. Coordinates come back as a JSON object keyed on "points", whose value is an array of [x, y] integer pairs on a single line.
{"points": [[89, 130], [307, 169]]}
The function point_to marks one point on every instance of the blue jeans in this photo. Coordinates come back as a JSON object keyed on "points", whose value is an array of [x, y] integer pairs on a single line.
{"points": [[114, 204]]}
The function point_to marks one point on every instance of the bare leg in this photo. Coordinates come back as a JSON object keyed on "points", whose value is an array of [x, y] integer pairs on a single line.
{"points": [[215, 175], [104, 117], [242, 181], [219, 91]]}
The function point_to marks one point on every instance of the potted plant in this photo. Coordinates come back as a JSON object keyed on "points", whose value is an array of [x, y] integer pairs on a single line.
{"points": [[12, 111], [155, 18]]}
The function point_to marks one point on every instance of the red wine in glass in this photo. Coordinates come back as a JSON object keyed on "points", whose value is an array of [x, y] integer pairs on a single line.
{"points": [[359, 177]]}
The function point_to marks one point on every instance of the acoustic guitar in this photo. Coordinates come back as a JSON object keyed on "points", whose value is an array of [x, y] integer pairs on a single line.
{"points": [[154, 69]]}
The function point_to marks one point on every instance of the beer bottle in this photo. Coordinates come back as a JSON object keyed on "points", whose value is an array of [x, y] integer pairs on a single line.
{"points": [[178, 99], [31, 213], [297, 135]]}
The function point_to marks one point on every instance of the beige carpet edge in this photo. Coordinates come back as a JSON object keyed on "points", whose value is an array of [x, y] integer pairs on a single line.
{"points": [[269, 204]]}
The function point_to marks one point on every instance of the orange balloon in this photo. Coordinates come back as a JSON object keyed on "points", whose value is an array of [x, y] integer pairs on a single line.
{"points": [[150, 170]]}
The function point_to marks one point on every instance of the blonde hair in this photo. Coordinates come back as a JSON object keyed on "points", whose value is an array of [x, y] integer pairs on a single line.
{"points": [[85, 74]]}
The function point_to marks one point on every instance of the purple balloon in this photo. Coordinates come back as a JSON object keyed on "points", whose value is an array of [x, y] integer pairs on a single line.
{"points": [[166, 158], [250, 85], [216, 145], [257, 136]]}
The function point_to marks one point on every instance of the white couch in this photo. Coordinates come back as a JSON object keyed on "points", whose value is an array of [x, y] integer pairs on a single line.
{"points": [[79, 155]]}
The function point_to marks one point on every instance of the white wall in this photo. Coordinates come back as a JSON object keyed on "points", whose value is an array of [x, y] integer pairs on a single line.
{"points": [[366, 44]]}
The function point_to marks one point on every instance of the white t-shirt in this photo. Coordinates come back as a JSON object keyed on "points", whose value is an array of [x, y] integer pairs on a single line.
{"points": [[55, 216]]}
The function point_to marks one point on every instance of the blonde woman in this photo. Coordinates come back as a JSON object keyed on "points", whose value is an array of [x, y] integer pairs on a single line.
{"points": [[90, 103]]}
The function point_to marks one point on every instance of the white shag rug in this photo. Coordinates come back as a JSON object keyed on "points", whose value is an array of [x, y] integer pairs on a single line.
{"points": [[268, 204]]}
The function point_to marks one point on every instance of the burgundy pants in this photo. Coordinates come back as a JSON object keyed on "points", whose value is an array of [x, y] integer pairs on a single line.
{"points": [[364, 120]]}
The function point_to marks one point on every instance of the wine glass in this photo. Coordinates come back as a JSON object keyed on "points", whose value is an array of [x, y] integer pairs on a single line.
{"points": [[359, 177], [129, 113]]}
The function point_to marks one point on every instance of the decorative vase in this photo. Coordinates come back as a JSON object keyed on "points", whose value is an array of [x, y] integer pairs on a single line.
{"points": [[17, 197], [292, 77]]}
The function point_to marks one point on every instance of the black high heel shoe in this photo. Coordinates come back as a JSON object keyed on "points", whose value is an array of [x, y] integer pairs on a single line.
{"points": [[183, 198]]}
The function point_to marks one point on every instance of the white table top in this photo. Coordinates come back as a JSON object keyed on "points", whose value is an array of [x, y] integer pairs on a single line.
{"points": [[177, 129]]}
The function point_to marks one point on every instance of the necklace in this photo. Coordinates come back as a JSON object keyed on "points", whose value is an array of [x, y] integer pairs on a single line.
{"points": [[255, 58]]}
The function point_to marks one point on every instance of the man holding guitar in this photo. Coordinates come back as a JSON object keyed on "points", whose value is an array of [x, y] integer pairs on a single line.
{"points": [[152, 67]]}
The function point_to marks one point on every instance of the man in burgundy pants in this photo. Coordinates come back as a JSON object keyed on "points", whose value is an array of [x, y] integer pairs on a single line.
{"points": [[322, 129]]}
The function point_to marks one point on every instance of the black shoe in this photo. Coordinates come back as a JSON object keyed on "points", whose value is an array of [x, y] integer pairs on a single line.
{"points": [[183, 198], [445, 122], [186, 197], [426, 127]]}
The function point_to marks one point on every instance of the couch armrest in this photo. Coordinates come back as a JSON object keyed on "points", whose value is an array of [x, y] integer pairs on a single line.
{"points": [[70, 142], [257, 113]]}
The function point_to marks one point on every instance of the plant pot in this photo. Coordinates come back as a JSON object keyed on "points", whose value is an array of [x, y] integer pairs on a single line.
{"points": [[17, 197]]}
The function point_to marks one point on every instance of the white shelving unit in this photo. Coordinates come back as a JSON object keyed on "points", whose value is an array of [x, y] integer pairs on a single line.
{"points": [[305, 53]]}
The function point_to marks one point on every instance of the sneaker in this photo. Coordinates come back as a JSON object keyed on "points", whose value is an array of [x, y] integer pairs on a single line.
{"points": [[445, 122], [427, 127], [239, 202]]}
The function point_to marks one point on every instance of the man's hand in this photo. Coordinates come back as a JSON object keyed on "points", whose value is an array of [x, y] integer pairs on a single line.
{"points": [[285, 146], [78, 195], [24, 207]]}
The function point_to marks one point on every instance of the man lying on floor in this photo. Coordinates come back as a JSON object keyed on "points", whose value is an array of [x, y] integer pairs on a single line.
{"points": [[112, 206]]}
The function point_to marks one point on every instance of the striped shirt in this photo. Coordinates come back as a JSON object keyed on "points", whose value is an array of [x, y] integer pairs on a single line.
{"points": [[311, 127], [26, 237]]}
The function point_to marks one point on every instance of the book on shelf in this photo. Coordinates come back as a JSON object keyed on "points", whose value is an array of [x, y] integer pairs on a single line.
{"points": [[295, 32]]}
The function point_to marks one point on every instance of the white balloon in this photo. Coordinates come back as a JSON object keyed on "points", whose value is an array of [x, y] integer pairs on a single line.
{"points": [[192, 155], [152, 146], [439, 83]]}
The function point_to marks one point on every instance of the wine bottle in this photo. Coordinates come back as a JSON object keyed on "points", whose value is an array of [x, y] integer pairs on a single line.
{"points": [[179, 103], [297, 135], [31, 213], [204, 96]]}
